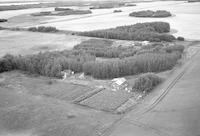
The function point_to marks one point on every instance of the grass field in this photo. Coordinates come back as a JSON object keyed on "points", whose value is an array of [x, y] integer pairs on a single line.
{"points": [[32, 106], [19, 42]]}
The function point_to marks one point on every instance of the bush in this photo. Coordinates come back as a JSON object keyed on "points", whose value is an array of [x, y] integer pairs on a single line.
{"points": [[146, 82], [150, 13], [181, 38], [7, 63], [154, 31]]}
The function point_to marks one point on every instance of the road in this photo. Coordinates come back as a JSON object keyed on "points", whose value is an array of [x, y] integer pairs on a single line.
{"points": [[176, 112]]}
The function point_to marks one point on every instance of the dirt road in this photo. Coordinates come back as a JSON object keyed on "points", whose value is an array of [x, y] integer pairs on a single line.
{"points": [[177, 113]]}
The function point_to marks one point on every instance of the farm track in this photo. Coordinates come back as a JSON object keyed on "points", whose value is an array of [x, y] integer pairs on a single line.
{"points": [[139, 111]]}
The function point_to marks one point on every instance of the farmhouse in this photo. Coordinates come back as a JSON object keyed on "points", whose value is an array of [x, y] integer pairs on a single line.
{"points": [[119, 83]]}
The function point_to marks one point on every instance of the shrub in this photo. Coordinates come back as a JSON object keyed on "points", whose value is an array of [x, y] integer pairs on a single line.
{"points": [[7, 63], [181, 38], [146, 82]]}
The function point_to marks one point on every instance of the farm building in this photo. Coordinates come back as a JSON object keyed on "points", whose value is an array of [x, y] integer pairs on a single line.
{"points": [[119, 84]]}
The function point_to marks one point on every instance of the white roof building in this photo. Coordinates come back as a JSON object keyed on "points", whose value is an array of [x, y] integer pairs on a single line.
{"points": [[119, 81]]}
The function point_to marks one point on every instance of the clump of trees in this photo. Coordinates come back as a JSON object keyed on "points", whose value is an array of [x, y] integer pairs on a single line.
{"points": [[153, 31], [116, 11], [104, 48], [146, 82], [150, 13], [181, 38], [3, 20], [148, 62], [48, 64], [45, 29], [43, 13], [61, 9]]}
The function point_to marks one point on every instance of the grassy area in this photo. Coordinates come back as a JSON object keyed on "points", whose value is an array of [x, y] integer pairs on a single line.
{"points": [[25, 106], [26, 43], [107, 100], [150, 13]]}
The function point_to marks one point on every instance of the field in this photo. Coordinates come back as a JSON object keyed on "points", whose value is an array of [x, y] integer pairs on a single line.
{"points": [[28, 101], [67, 83], [19, 42]]}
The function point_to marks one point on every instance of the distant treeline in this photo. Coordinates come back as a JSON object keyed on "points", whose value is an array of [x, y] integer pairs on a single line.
{"points": [[40, 5], [153, 31], [150, 13], [3, 20], [62, 12], [43, 29]]}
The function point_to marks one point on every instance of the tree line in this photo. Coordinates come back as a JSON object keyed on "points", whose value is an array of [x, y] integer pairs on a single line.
{"points": [[52, 63], [153, 31]]}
